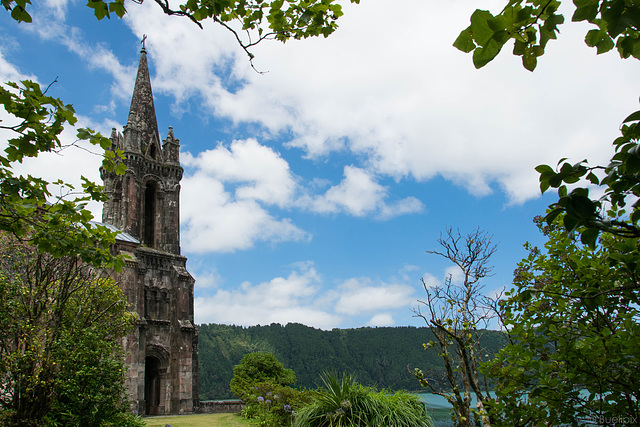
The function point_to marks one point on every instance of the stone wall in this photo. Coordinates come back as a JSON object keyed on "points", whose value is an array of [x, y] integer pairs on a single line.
{"points": [[220, 406]]}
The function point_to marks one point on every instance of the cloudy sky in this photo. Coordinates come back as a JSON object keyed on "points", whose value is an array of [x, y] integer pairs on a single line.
{"points": [[313, 189]]}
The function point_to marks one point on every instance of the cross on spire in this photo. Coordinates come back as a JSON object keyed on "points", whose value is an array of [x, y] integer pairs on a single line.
{"points": [[144, 37]]}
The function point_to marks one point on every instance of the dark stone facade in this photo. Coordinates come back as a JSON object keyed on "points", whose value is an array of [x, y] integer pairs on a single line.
{"points": [[144, 205]]}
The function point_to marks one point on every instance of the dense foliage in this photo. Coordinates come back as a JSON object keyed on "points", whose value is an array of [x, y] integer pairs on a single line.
{"points": [[617, 211], [345, 403], [259, 19], [573, 313], [574, 321], [258, 368], [264, 384], [57, 225], [60, 355], [532, 23], [377, 357]]}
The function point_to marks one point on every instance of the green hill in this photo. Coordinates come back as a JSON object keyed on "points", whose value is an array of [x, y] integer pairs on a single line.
{"points": [[380, 357]]}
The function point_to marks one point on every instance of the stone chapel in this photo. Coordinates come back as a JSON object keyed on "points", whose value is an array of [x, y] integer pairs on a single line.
{"points": [[161, 354]]}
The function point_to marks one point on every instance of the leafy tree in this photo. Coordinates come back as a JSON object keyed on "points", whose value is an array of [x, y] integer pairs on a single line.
{"points": [[574, 322], [28, 210], [259, 19], [458, 315], [574, 309], [60, 355], [617, 211], [343, 403], [532, 23], [263, 383], [256, 368]]}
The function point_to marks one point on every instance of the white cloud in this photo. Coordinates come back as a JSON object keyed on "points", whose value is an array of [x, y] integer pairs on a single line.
{"points": [[212, 221], [382, 319], [360, 295], [404, 100], [302, 297], [280, 300], [209, 279], [9, 72], [408, 205], [260, 172], [358, 194], [217, 218], [187, 60], [431, 281], [456, 274], [50, 24], [227, 193]]}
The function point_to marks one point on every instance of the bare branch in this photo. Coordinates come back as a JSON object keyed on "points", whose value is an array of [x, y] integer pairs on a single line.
{"points": [[458, 313]]}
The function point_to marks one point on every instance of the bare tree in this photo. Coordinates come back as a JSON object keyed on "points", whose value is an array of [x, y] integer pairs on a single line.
{"points": [[458, 313]]}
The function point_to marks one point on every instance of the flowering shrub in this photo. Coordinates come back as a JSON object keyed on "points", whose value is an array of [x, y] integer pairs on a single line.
{"points": [[263, 383], [275, 405]]}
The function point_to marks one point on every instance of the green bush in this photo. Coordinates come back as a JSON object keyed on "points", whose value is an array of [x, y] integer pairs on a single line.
{"points": [[263, 383], [258, 368], [344, 403], [274, 405]]}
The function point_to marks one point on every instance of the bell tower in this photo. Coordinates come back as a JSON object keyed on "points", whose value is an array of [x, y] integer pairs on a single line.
{"points": [[144, 205], [145, 202]]}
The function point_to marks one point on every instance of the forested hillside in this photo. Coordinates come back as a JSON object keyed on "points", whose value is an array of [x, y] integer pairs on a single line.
{"points": [[378, 357]]}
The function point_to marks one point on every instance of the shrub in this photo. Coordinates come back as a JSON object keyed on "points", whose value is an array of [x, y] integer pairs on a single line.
{"points": [[263, 383], [258, 368], [345, 403], [274, 405]]}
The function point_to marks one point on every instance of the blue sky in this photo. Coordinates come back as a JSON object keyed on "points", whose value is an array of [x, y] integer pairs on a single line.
{"points": [[312, 191]]}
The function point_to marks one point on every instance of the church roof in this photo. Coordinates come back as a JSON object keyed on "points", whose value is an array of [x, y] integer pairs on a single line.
{"points": [[142, 113], [122, 236]]}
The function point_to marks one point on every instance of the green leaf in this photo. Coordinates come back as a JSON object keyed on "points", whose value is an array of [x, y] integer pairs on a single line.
{"points": [[586, 10], [544, 169], [100, 8], [118, 8], [464, 42], [20, 14], [519, 48], [589, 237], [600, 40], [529, 60], [480, 28], [483, 55], [632, 117]]}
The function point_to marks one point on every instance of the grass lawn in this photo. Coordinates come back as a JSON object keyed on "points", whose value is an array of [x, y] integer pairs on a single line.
{"points": [[200, 420]]}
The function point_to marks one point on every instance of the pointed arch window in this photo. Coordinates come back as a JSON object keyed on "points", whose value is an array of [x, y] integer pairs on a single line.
{"points": [[149, 217]]}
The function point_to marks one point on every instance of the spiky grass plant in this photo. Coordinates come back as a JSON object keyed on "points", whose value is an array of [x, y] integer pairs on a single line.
{"points": [[344, 403]]}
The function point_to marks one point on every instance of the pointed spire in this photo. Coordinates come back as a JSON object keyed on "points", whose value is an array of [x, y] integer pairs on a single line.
{"points": [[171, 148], [142, 114]]}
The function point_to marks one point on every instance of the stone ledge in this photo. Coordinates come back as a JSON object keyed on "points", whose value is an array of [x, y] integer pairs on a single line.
{"points": [[220, 407]]}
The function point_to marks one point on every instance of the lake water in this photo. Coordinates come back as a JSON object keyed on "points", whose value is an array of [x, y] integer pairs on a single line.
{"points": [[439, 409]]}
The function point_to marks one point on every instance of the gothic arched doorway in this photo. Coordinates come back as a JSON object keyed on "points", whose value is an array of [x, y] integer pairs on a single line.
{"points": [[152, 385]]}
